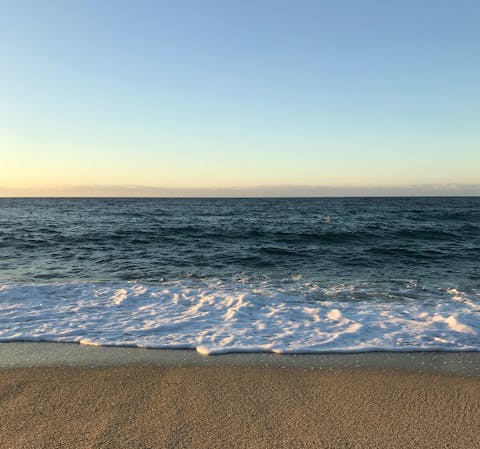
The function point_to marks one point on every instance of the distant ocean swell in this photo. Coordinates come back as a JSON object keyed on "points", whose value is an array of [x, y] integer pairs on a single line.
{"points": [[215, 316]]}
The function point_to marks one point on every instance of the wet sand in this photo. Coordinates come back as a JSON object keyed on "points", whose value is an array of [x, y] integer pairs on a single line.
{"points": [[236, 407]]}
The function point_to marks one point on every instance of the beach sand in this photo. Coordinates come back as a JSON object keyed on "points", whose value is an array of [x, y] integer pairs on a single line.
{"points": [[236, 407]]}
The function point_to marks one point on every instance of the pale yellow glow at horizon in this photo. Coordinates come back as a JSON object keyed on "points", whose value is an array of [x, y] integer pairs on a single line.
{"points": [[34, 165]]}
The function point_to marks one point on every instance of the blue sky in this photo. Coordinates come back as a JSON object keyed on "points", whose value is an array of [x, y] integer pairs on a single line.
{"points": [[217, 94]]}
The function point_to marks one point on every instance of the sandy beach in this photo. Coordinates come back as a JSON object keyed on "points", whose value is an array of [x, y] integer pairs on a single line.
{"points": [[234, 406]]}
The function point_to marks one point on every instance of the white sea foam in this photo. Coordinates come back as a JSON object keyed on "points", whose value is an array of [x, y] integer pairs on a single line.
{"points": [[217, 317]]}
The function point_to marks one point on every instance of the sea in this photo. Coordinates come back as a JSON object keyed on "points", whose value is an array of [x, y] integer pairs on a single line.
{"points": [[283, 275]]}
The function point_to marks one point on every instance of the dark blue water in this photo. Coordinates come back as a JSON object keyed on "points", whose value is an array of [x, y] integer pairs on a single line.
{"points": [[432, 240], [221, 275]]}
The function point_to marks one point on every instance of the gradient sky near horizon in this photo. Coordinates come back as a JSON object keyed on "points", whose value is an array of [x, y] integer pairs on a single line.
{"points": [[247, 93]]}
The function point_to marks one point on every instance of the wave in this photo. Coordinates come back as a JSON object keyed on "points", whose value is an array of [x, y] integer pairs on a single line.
{"points": [[216, 316]]}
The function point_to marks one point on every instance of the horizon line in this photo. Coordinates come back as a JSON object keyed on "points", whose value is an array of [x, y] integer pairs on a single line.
{"points": [[13, 197], [275, 191]]}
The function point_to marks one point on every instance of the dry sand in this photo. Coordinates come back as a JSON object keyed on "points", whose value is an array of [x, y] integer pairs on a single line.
{"points": [[236, 407]]}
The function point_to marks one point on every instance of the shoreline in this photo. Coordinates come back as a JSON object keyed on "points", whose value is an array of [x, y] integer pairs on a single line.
{"points": [[67, 395], [46, 354]]}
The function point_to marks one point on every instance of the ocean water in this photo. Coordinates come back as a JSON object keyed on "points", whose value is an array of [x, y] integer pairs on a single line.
{"points": [[232, 275]]}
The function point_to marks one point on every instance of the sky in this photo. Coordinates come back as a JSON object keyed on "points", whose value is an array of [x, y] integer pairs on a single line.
{"points": [[114, 97]]}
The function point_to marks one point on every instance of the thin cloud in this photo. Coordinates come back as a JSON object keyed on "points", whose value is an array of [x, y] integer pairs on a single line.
{"points": [[258, 191]]}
